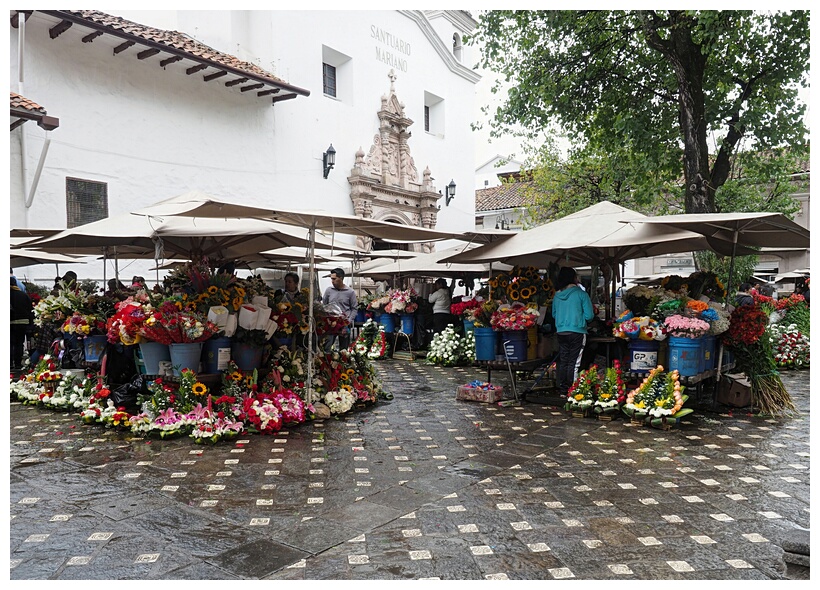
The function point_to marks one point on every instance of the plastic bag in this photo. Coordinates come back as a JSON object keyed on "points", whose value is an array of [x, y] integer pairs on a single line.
{"points": [[126, 394]]}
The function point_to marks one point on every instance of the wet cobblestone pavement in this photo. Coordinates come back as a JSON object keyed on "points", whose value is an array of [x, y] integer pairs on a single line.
{"points": [[420, 487]]}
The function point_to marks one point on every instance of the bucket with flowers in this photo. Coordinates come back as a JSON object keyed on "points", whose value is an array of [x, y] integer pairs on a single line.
{"points": [[183, 332]]}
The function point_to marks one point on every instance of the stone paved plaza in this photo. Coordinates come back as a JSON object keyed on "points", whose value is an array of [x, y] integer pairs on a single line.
{"points": [[419, 487]]}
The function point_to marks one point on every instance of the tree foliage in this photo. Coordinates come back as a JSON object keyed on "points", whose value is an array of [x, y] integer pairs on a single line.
{"points": [[644, 95]]}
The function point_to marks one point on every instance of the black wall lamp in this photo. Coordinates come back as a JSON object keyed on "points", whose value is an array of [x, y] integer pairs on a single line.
{"points": [[329, 159], [450, 192]]}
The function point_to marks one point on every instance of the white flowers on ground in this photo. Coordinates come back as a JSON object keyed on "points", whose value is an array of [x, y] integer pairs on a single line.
{"points": [[449, 348], [339, 401]]}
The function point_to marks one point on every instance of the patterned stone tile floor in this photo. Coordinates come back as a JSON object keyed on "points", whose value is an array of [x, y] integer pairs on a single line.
{"points": [[420, 487]]}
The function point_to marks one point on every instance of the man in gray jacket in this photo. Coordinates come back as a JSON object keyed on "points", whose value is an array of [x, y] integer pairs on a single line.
{"points": [[343, 298]]}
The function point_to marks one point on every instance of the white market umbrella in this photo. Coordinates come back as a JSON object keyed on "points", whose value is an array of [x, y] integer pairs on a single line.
{"points": [[431, 265], [197, 204], [753, 229], [596, 235]]}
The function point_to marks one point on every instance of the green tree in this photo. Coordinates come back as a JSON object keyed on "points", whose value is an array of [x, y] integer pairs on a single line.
{"points": [[653, 90]]}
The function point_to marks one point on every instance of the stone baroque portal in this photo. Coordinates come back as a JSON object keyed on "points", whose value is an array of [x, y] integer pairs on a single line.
{"points": [[384, 183]]}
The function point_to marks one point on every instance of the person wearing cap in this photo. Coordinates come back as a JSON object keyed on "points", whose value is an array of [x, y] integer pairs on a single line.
{"points": [[344, 298], [571, 309], [441, 298]]}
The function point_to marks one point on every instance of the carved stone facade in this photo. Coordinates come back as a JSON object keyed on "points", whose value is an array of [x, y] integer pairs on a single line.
{"points": [[384, 183]]}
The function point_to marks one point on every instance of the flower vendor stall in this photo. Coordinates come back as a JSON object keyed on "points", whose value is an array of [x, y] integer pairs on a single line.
{"points": [[174, 396]]}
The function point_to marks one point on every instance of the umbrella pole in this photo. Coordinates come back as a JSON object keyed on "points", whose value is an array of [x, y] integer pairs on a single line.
{"points": [[731, 264], [311, 268]]}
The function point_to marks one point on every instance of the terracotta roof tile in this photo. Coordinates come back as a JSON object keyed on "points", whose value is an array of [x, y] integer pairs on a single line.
{"points": [[506, 196], [173, 39], [25, 104]]}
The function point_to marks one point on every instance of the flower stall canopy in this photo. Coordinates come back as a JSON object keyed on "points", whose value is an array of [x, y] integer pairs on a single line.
{"points": [[199, 204], [756, 229], [138, 236], [593, 235], [26, 257], [429, 265], [801, 273]]}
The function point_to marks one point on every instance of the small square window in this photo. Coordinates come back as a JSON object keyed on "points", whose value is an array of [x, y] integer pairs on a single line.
{"points": [[86, 201], [329, 79]]}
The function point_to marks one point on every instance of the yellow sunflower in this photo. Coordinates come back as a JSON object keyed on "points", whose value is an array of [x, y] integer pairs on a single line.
{"points": [[344, 377], [199, 389], [213, 289], [351, 372], [514, 294], [240, 291], [346, 386], [248, 380], [236, 376], [178, 305], [493, 283]]}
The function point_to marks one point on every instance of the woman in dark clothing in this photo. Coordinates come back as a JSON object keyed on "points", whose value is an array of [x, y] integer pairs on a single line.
{"points": [[743, 297], [22, 318]]}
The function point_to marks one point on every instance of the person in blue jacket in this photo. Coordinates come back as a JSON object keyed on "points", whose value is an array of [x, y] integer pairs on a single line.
{"points": [[571, 309]]}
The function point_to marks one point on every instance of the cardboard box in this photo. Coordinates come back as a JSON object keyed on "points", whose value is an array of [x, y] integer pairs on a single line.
{"points": [[735, 390], [475, 394]]}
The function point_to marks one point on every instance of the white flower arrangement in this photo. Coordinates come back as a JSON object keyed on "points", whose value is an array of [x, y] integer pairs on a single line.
{"points": [[339, 401], [448, 348]]}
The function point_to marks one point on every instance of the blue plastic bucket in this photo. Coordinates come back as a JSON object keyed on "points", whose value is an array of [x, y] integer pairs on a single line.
{"points": [[468, 326], [247, 356], [408, 323], [643, 355], [94, 347], [684, 355], [152, 353], [216, 353], [388, 321], [185, 355], [515, 345], [709, 352], [484, 344], [360, 316]]}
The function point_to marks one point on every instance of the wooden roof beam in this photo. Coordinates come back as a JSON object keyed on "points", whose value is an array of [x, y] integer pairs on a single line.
{"points": [[147, 53], [59, 29], [235, 82], [251, 87], [123, 47], [270, 91], [196, 68], [219, 74], [170, 60], [91, 36]]}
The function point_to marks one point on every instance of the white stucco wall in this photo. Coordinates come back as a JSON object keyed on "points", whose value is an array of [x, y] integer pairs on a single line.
{"points": [[152, 133]]}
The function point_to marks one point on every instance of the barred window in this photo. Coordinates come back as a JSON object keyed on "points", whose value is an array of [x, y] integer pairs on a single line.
{"points": [[426, 118], [329, 79], [86, 201]]}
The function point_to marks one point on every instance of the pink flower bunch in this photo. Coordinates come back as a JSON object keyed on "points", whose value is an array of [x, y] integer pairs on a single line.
{"points": [[685, 327], [291, 405], [402, 301], [514, 317]]}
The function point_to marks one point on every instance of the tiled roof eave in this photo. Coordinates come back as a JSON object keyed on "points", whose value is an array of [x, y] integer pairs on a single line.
{"points": [[288, 90]]}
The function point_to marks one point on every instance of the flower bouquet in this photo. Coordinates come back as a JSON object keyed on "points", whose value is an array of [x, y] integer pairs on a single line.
{"points": [[611, 392], [339, 401], [401, 301], [685, 327], [82, 325], [253, 337], [522, 285], [754, 357], [461, 308], [125, 325], [168, 325], [790, 346], [482, 316], [450, 349], [513, 317], [581, 395], [658, 399], [261, 414], [705, 283]]}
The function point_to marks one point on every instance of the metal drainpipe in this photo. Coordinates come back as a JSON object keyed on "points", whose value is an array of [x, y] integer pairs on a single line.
{"points": [[21, 42]]}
